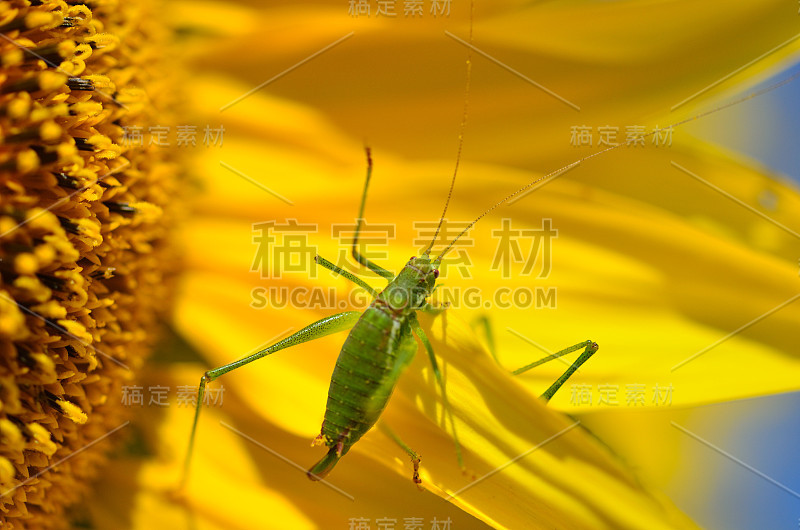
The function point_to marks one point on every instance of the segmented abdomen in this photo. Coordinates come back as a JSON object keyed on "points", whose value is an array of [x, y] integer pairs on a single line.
{"points": [[365, 374]]}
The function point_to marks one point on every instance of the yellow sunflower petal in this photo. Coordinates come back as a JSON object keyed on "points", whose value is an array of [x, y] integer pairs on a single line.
{"points": [[245, 475], [211, 315], [623, 64], [645, 264]]}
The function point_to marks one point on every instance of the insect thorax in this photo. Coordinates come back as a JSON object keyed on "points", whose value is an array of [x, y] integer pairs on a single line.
{"points": [[409, 290]]}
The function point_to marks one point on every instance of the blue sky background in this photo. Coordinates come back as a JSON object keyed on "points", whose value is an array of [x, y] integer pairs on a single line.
{"points": [[782, 152], [777, 112], [765, 432]]}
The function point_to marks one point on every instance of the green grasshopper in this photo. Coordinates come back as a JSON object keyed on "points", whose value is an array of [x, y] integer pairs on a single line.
{"points": [[379, 347], [381, 342]]}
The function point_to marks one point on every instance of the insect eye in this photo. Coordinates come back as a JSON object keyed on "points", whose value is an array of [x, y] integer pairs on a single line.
{"points": [[435, 273]]}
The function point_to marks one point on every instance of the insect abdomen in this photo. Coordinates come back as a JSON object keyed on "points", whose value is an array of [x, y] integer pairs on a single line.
{"points": [[364, 377], [376, 351]]}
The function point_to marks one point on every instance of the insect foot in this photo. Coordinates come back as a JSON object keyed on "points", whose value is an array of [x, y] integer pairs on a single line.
{"points": [[415, 477]]}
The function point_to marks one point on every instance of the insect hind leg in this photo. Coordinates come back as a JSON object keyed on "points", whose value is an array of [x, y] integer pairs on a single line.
{"points": [[318, 329], [589, 349]]}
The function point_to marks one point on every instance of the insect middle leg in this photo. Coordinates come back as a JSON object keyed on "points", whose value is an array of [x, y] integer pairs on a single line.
{"points": [[419, 332], [415, 459], [318, 329], [482, 321]]}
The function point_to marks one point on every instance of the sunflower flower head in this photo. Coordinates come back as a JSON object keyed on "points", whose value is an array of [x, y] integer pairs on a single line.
{"points": [[85, 217]]}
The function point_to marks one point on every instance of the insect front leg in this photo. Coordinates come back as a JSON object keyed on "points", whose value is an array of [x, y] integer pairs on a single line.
{"points": [[319, 260], [377, 269], [318, 329], [434, 309]]}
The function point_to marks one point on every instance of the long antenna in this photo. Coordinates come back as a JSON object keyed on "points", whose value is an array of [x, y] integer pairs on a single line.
{"points": [[557, 172], [460, 131]]}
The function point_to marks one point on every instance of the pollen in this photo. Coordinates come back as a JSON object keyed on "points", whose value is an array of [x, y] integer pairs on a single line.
{"points": [[87, 249]]}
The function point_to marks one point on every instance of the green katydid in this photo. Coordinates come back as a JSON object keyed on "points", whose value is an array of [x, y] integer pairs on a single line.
{"points": [[381, 342], [379, 347]]}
